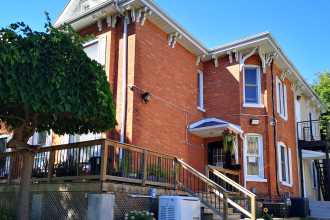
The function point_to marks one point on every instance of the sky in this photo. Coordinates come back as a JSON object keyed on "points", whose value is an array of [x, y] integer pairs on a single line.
{"points": [[302, 27]]}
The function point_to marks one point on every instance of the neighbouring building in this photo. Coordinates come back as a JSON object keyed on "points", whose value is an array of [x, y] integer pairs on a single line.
{"points": [[233, 108]]}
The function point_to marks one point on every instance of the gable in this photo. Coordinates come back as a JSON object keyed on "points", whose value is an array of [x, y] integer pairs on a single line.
{"points": [[75, 8]]}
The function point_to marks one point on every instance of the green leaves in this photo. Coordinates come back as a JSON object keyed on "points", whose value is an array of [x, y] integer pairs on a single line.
{"points": [[47, 79]]}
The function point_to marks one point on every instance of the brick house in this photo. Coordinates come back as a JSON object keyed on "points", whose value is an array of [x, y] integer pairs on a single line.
{"points": [[173, 95]]}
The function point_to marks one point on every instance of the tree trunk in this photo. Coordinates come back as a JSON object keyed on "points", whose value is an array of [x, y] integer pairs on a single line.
{"points": [[24, 192]]}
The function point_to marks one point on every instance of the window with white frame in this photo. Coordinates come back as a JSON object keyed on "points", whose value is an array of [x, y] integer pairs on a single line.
{"points": [[254, 164], [284, 164], [200, 92], [314, 173], [96, 50], [3, 143], [281, 98], [252, 86]]}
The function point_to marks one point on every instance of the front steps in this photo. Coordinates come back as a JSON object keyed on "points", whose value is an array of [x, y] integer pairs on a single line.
{"points": [[209, 214]]}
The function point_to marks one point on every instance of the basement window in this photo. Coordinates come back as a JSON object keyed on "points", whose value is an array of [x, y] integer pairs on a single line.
{"points": [[284, 164], [252, 86]]}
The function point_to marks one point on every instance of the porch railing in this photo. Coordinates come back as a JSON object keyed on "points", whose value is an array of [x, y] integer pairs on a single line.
{"points": [[309, 130], [107, 160], [94, 160]]}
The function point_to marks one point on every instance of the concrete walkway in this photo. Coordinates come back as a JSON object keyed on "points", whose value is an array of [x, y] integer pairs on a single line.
{"points": [[320, 209]]}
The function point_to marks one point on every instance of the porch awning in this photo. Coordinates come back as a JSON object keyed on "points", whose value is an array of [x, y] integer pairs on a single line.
{"points": [[213, 127], [312, 155]]}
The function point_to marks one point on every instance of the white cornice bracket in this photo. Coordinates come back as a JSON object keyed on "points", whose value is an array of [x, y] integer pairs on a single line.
{"points": [[216, 61], [99, 25], [266, 58], [244, 58], [172, 39], [230, 56], [142, 15]]}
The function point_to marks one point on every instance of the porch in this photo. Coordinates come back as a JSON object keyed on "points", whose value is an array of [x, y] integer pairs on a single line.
{"points": [[102, 163], [313, 145]]}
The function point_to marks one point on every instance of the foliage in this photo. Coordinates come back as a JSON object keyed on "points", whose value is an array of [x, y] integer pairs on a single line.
{"points": [[322, 88], [6, 214], [228, 142], [157, 171], [266, 214], [139, 215], [47, 82]]}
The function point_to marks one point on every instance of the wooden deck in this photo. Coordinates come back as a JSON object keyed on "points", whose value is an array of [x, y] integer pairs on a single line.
{"points": [[100, 160]]}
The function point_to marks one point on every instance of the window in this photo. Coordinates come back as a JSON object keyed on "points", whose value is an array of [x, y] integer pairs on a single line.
{"points": [[254, 164], [252, 86], [200, 97], [3, 143], [281, 97], [96, 50], [314, 173], [284, 164]]}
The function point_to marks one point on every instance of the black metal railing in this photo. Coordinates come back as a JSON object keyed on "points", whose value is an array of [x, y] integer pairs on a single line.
{"points": [[309, 130]]}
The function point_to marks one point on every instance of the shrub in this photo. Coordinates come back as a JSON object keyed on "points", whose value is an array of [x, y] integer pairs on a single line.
{"points": [[5, 214], [139, 215]]}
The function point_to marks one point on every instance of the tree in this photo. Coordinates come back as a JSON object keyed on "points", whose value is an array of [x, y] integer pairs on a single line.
{"points": [[47, 82], [322, 88]]}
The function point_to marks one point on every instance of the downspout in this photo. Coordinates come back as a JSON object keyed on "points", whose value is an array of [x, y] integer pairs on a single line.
{"points": [[274, 129], [124, 82]]}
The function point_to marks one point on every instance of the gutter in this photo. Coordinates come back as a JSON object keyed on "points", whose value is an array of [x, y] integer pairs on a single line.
{"points": [[124, 81]]}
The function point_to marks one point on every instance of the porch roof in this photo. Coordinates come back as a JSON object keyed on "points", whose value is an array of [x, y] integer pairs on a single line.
{"points": [[312, 155], [212, 127]]}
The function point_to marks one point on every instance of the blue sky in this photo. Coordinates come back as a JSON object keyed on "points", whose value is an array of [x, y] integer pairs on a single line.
{"points": [[301, 27]]}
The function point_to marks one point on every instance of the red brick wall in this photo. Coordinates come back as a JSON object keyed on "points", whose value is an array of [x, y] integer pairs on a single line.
{"points": [[170, 75]]}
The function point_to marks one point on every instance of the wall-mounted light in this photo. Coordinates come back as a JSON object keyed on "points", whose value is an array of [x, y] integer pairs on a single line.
{"points": [[254, 121], [146, 96]]}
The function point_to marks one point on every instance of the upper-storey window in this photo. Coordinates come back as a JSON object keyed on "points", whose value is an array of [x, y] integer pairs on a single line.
{"points": [[281, 97], [200, 96], [96, 50], [252, 86]]}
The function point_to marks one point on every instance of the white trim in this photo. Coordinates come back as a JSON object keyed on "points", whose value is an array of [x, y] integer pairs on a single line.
{"points": [[287, 162], [256, 179], [261, 176], [281, 99], [201, 109], [226, 124], [200, 94], [260, 103]]}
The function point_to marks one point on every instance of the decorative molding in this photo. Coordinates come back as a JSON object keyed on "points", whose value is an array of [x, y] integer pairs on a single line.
{"points": [[245, 57], [112, 21], [216, 61], [236, 52], [285, 74], [99, 25], [172, 39], [141, 15], [266, 58], [230, 56], [199, 59]]}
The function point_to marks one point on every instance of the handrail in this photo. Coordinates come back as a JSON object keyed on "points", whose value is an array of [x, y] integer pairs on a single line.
{"points": [[200, 175], [252, 213], [231, 182]]}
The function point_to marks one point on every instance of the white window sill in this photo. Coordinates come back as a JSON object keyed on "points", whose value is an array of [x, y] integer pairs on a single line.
{"points": [[250, 105], [285, 118], [286, 184], [201, 109], [256, 179]]}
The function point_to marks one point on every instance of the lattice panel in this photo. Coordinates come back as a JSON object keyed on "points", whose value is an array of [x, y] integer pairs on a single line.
{"points": [[64, 205], [126, 203]]}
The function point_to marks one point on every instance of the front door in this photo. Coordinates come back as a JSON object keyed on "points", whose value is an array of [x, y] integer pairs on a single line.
{"points": [[216, 155]]}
